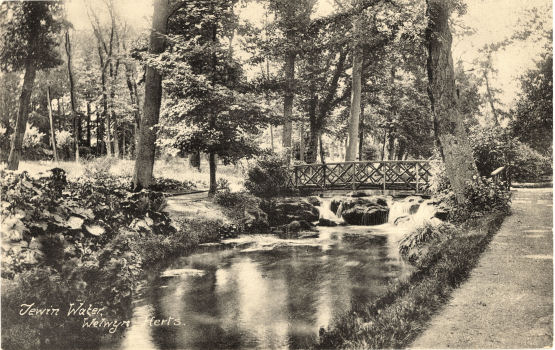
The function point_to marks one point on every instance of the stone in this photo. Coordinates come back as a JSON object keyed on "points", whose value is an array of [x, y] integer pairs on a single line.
{"points": [[326, 222], [402, 219], [315, 201], [414, 208], [256, 220], [286, 210], [359, 215]]}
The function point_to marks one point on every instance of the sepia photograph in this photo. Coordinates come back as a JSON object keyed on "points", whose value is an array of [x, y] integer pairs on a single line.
{"points": [[276, 174]]}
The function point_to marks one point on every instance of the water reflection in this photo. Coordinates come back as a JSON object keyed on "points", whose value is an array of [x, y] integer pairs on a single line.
{"points": [[263, 292]]}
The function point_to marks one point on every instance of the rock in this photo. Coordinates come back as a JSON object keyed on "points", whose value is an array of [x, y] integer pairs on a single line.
{"points": [[402, 220], [359, 215], [256, 220], [315, 201], [326, 222], [414, 208], [286, 210], [334, 204], [442, 213]]}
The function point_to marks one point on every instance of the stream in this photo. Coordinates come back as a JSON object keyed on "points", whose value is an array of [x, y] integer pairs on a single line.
{"points": [[259, 291]]}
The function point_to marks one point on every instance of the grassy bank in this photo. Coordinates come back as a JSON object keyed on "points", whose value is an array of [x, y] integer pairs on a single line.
{"points": [[399, 316], [172, 168], [82, 239]]}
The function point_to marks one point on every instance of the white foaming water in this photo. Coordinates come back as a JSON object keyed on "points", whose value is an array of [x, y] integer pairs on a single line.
{"points": [[410, 210], [327, 213]]}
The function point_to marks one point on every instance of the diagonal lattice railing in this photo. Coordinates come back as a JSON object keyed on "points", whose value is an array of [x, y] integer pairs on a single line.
{"points": [[387, 174]]}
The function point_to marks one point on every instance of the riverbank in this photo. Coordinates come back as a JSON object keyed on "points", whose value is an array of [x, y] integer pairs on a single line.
{"points": [[399, 316], [508, 300]]}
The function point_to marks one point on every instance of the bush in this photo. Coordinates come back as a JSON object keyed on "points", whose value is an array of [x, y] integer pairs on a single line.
{"points": [[494, 147], [269, 177], [482, 196], [528, 164], [414, 245]]}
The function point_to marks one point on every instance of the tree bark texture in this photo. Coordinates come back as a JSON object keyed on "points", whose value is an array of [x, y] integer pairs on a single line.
{"points": [[51, 122], [22, 114], [288, 104], [451, 137], [74, 115], [354, 116], [144, 164]]}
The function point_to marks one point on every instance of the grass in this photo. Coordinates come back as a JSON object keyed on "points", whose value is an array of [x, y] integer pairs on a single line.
{"points": [[400, 315], [170, 168]]}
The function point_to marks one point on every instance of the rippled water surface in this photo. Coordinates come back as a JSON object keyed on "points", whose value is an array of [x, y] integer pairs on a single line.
{"points": [[265, 292]]}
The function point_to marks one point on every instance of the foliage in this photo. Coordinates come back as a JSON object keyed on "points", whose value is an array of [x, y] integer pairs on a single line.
{"points": [[29, 32], [416, 244], [493, 147], [482, 196], [269, 177], [528, 164], [533, 117]]}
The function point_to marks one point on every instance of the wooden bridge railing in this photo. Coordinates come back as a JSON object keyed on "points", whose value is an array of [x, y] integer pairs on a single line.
{"points": [[386, 175]]}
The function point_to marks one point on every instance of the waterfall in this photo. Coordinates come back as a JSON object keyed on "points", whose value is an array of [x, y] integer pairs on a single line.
{"points": [[327, 213], [339, 210], [411, 209]]}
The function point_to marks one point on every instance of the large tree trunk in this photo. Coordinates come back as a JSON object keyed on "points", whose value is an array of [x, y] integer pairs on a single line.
{"points": [[89, 124], [449, 130], [288, 104], [76, 136], [51, 122], [144, 164], [212, 165], [361, 134], [354, 116], [22, 114]]}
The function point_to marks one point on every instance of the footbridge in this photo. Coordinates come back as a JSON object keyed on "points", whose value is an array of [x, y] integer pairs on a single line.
{"points": [[385, 175]]}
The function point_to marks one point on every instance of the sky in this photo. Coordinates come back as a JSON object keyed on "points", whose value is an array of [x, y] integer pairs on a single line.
{"points": [[491, 20]]}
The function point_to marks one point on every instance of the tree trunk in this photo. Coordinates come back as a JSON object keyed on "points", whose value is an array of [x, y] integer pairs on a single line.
{"points": [[76, 136], [288, 104], [22, 114], [89, 124], [212, 164], [490, 99], [51, 121], [301, 142], [361, 133], [449, 130], [144, 164], [322, 152], [355, 102]]}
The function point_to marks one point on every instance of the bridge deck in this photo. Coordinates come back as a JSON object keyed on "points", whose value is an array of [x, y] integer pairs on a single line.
{"points": [[386, 175]]}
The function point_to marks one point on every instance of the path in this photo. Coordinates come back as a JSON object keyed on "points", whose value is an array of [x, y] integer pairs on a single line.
{"points": [[508, 300]]}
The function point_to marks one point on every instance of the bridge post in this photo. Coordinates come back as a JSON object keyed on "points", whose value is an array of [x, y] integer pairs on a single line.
{"points": [[353, 179], [324, 175], [296, 178], [417, 176], [384, 164]]}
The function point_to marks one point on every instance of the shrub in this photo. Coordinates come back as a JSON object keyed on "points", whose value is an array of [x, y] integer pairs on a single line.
{"points": [[493, 147], [414, 245], [528, 164], [482, 195], [269, 177]]}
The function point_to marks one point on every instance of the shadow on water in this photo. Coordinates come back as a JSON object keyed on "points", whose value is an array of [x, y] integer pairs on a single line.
{"points": [[261, 291]]}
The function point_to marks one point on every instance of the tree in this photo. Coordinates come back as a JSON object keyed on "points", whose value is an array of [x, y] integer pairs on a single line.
{"points": [[210, 107], [450, 133], [533, 115], [75, 117], [28, 43], [146, 146]]}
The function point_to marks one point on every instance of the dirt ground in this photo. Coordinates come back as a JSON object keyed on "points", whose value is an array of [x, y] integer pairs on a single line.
{"points": [[508, 300]]}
